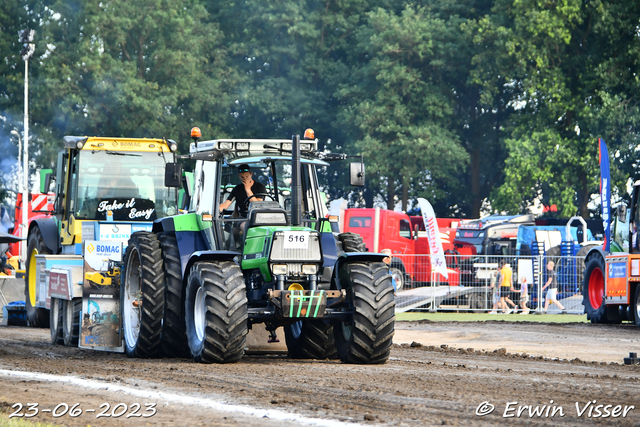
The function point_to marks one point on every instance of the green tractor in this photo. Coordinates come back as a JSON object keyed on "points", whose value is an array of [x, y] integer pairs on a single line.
{"points": [[284, 264]]}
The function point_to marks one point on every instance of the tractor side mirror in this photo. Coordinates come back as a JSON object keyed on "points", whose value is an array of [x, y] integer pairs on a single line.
{"points": [[45, 180], [186, 191], [173, 175], [622, 213], [356, 174]]}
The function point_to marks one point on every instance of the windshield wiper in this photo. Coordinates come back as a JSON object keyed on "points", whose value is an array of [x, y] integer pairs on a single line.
{"points": [[117, 153], [271, 147]]}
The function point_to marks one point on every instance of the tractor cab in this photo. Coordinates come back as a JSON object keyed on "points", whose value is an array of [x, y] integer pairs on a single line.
{"points": [[270, 207]]}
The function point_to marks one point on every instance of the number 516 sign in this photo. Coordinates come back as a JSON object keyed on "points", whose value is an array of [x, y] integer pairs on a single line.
{"points": [[296, 240]]}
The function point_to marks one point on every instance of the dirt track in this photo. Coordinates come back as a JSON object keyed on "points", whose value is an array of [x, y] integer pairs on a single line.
{"points": [[426, 385]]}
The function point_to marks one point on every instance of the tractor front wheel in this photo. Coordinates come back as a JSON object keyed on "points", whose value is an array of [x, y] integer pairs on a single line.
{"points": [[310, 339], [143, 296], [593, 290], [216, 312], [367, 337]]}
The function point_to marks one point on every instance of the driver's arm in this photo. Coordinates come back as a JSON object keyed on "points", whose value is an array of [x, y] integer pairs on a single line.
{"points": [[224, 205], [250, 193], [259, 189]]}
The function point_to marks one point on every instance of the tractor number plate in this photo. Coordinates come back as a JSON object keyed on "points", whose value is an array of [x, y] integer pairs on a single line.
{"points": [[296, 240], [303, 303]]}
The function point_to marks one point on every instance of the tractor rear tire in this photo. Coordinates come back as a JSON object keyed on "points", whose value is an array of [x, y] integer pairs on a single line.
{"points": [[613, 315], [636, 307], [352, 242], [593, 290], [71, 322], [311, 339], [36, 317], [216, 312], [174, 331], [55, 320], [367, 338], [143, 296]]}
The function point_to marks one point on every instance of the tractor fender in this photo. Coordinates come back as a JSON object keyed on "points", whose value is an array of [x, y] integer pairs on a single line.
{"points": [[349, 258], [597, 251], [208, 256], [49, 230], [163, 224]]}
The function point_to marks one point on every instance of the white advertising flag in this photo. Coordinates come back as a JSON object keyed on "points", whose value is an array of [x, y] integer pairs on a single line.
{"points": [[438, 262]]}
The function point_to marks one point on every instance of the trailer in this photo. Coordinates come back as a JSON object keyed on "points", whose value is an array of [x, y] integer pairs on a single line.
{"points": [[434, 298]]}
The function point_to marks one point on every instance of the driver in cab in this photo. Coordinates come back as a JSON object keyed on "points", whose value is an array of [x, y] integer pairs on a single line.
{"points": [[243, 192]]}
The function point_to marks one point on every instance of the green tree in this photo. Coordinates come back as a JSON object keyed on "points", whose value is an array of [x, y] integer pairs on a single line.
{"points": [[144, 68], [395, 102], [573, 64], [482, 105], [292, 56]]}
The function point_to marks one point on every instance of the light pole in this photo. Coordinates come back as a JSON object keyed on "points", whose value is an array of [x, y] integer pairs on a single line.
{"points": [[26, 38], [23, 225], [15, 132]]}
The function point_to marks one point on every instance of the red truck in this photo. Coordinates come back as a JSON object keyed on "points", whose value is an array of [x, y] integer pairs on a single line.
{"points": [[406, 237], [40, 205]]}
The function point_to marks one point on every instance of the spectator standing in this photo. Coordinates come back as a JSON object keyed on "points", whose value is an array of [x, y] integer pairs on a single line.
{"points": [[497, 304], [552, 284], [506, 286], [524, 295]]}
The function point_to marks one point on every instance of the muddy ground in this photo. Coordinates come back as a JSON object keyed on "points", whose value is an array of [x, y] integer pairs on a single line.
{"points": [[443, 379]]}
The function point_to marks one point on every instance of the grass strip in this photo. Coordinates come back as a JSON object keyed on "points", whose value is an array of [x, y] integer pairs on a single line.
{"points": [[484, 317]]}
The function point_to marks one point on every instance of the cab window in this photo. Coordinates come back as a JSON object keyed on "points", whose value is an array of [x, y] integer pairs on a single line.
{"points": [[405, 229], [360, 221]]}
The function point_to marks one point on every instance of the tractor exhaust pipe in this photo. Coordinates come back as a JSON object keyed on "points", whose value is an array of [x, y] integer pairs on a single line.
{"points": [[296, 187]]}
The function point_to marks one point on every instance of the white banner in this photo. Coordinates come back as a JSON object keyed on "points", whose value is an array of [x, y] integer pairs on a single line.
{"points": [[438, 262]]}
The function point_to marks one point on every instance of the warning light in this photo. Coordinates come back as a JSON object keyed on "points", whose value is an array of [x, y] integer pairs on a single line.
{"points": [[309, 134], [195, 132]]}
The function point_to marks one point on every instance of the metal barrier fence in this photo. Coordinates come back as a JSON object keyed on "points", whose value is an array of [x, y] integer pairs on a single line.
{"points": [[472, 282]]}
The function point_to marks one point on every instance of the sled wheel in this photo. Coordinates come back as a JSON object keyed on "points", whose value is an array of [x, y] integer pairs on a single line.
{"points": [[55, 320], [71, 322]]}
